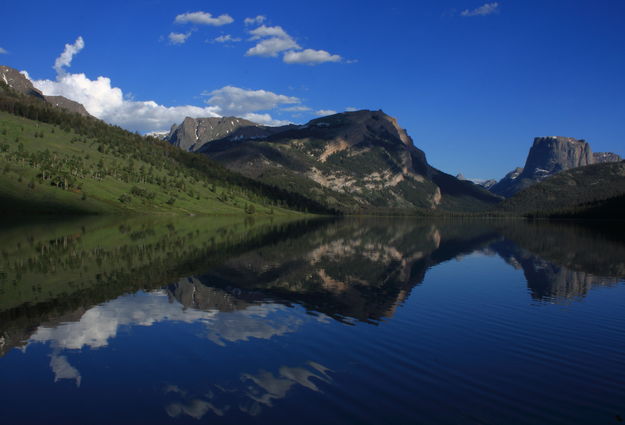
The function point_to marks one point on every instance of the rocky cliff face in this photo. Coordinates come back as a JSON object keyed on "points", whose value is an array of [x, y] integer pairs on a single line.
{"points": [[548, 156], [353, 161], [18, 82]]}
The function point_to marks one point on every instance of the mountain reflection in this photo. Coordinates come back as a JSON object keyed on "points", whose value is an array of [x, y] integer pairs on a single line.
{"points": [[71, 285]]}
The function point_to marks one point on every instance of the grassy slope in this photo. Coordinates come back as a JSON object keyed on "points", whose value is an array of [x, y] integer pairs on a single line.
{"points": [[102, 196]]}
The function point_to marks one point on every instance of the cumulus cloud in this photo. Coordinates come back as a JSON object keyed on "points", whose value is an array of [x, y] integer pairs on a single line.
{"points": [[226, 39], [104, 101], [235, 100], [203, 18], [65, 59], [483, 10], [257, 20], [273, 40], [310, 57], [324, 112], [272, 46], [178, 38], [351, 109], [108, 103], [265, 31], [3, 51]]}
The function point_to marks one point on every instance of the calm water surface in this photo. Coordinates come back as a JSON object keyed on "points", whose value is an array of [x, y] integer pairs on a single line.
{"points": [[214, 320]]}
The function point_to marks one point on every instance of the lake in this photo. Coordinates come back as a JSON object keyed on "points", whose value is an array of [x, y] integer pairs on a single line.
{"points": [[332, 321]]}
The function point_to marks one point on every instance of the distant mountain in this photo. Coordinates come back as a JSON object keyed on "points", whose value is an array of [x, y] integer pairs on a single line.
{"points": [[486, 184], [602, 157], [358, 161], [571, 191], [18, 82], [193, 133], [548, 156]]}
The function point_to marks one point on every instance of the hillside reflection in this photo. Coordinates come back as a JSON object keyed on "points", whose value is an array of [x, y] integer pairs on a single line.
{"points": [[71, 284]]}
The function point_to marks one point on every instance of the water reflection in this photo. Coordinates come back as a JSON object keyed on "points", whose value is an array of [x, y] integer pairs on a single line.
{"points": [[74, 287], [348, 270], [252, 393]]}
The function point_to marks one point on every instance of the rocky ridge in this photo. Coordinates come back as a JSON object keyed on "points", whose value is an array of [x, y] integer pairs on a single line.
{"points": [[361, 160]]}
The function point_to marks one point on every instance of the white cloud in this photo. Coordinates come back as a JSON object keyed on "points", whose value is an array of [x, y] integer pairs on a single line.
{"points": [[483, 10], [272, 46], [109, 103], [203, 18], [178, 38], [273, 41], [265, 119], [351, 109], [296, 109], [324, 112], [310, 57], [265, 31], [3, 51], [235, 101], [65, 59], [226, 39], [257, 20]]}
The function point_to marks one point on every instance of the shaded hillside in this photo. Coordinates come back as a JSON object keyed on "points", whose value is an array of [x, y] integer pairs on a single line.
{"points": [[570, 189], [355, 161], [549, 156]]}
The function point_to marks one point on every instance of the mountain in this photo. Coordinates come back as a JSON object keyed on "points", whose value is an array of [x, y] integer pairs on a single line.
{"points": [[570, 191], [360, 161], [548, 156], [486, 184], [602, 157], [21, 84], [193, 133]]}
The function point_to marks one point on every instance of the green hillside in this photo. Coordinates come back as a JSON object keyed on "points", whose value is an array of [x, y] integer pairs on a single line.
{"points": [[53, 161]]}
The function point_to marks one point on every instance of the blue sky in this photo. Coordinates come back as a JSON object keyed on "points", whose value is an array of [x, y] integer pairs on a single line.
{"points": [[472, 81]]}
